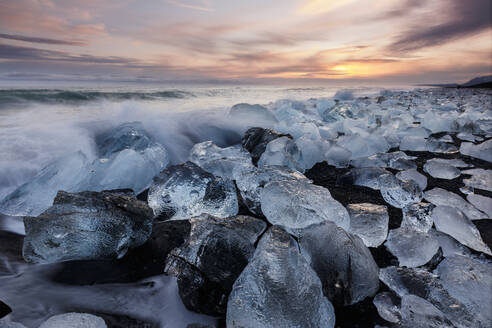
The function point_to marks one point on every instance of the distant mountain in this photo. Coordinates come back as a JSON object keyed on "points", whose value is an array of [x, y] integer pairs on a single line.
{"points": [[479, 82]]}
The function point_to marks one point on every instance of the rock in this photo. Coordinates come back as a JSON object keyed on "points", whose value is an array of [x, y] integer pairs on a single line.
{"points": [[388, 306], [282, 152], [209, 262], [74, 320], [482, 203], [342, 261], [441, 170], [417, 312], [186, 190], [255, 141], [412, 248], [469, 280], [369, 222], [255, 113], [421, 283], [297, 204], [413, 174], [399, 193], [251, 180], [481, 151], [4, 309], [87, 225], [418, 217], [441, 197], [219, 161], [278, 288]]}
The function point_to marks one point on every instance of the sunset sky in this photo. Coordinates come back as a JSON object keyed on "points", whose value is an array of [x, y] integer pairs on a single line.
{"points": [[416, 41]]}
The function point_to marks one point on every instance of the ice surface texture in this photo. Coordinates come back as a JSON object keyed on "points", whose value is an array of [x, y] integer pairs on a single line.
{"points": [[412, 248], [369, 222], [186, 190], [282, 151], [441, 197], [418, 217], [344, 264], [399, 193], [212, 258], [482, 151], [296, 204], [87, 225], [278, 288], [441, 170], [255, 141]]}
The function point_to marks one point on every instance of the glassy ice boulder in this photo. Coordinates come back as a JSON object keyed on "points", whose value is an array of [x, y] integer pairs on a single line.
{"points": [[255, 113], [296, 204], [412, 248], [186, 190], [413, 174], [364, 176], [441, 170], [470, 281], [388, 306], [361, 146], [278, 288], [343, 263], [397, 160], [212, 258], [255, 141], [312, 151], [418, 312], [479, 179], [418, 217], [441, 197], [482, 203], [219, 161], [37, 195], [251, 180], [282, 151], [74, 320], [481, 151], [421, 283], [399, 193], [87, 225], [454, 222], [369, 222]]}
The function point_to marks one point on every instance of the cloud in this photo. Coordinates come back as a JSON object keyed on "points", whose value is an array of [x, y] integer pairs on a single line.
{"points": [[27, 53], [462, 18], [42, 40], [196, 5]]}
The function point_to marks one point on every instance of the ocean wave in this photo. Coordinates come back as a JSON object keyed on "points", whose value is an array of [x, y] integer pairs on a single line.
{"points": [[53, 96]]}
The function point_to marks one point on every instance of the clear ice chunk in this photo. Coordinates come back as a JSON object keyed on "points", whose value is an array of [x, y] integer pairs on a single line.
{"points": [[312, 151], [388, 306], [412, 248], [338, 156], [480, 179], [278, 288], [399, 193], [481, 151], [441, 170], [469, 280], [251, 180], [418, 217], [296, 204], [282, 151], [397, 160], [219, 161], [456, 162], [186, 190], [449, 245], [417, 312], [344, 264], [421, 283], [361, 146], [87, 225], [74, 320], [255, 113], [413, 174], [211, 259], [255, 141], [441, 197], [369, 222], [454, 222], [365, 176], [482, 203]]}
